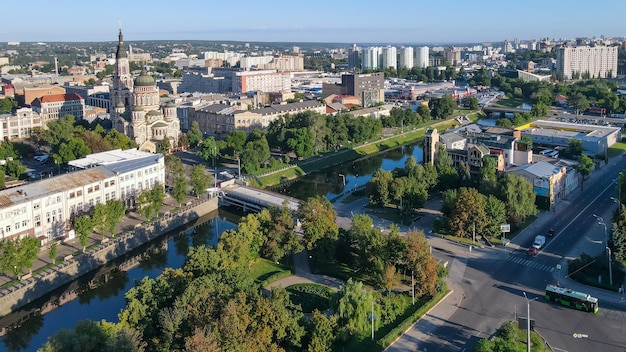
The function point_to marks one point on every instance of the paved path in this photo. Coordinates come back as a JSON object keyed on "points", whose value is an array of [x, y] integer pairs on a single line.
{"points": [[303, 275]]}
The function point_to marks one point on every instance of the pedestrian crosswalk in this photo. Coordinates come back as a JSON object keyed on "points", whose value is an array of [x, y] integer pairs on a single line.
{"points": [[530, 263]]}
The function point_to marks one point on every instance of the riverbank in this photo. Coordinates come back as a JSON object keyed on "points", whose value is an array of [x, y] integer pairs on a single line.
{"points": [[75, 265], [323, 161]]}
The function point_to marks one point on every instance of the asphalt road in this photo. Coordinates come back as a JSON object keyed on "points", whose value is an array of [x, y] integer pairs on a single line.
{"points": [[492, 287]]}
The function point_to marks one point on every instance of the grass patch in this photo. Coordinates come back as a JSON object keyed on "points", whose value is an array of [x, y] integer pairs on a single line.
{"points": [[509, 102], [278, 177], [310, 297], [617, 149], [264, 269], [509, 335], [587, 269]]}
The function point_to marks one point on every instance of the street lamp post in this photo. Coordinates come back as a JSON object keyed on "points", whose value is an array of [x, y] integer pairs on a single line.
{"points": [[608, 250], [601, 222], [528, 320]]}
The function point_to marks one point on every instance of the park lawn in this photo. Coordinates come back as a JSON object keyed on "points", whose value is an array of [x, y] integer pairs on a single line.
{"points": [[262, 269]]}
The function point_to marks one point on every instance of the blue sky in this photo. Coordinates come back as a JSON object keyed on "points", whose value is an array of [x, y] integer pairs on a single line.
{"points": [[346, 21]]}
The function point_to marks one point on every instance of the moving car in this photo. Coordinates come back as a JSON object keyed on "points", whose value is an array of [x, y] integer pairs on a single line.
{"points": [[532, 251]]}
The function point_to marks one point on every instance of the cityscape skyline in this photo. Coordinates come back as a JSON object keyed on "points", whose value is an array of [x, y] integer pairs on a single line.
{"points": [[409, 22]]}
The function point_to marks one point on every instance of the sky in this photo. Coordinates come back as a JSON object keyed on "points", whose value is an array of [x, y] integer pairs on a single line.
{"points": [[343, 21]]}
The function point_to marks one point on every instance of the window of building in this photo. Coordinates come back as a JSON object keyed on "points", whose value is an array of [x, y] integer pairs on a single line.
{"points": [[7, 229], [113, 195], [48, 217], [112, 182], [96, 188], [24, 222], [79, 193], [97, 200], [37, 220], [91, 203], [89, 190], [17, 226], [106, 197], [58, 199], [72, 195]]}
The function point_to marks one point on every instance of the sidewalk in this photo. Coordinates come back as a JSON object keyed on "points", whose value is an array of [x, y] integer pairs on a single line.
{"points": [[66, 248]]}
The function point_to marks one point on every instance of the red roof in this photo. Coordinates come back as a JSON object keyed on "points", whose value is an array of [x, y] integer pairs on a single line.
{"points": [[53, 98]]}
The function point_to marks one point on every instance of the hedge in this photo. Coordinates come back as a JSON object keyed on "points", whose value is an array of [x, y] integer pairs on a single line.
{"points": [[390, 337], [276, 276]]}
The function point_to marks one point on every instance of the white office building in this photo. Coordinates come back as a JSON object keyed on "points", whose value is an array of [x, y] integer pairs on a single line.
{"points": [[421, 57], [574, 62], [406, 57]]}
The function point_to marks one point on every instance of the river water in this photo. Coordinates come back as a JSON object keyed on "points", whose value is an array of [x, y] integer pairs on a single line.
{"points": [[100, 295]]}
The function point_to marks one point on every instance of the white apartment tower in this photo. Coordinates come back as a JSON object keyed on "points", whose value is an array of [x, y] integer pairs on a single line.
{"points": [[390, 57], [406, 57], [578, 61], [371, 57], [421, 59]]}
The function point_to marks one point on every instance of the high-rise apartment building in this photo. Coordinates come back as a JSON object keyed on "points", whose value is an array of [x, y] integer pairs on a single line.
{"points": [[574, 62], [421, 59], [406, 57], [372, 57], [369, 88], [390, 57], [354, 57]]}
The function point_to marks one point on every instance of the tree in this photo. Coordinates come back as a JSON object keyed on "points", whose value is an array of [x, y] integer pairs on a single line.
{"points": [[517, 193], [419, 260], [73, 149], [354, 302], [115, 211], [584, 167], [578, 102], [318, 220], [208, 150], [7, 105], [194, 134], [83, 226], [488, 178], [165, 146], [199, 180], [14, 168], [98, 218], [150, 201], [618, 235], [235, 141], [443, 107], [575, 147], [468, 214], [179, 190], [52, 252], [495, 210], [321, 330]]}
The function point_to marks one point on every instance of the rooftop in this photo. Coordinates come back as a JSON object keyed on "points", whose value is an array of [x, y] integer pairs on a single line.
{"points": [[110, 157]]}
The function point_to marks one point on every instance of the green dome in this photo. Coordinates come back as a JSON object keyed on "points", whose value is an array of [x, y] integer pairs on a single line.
{"points": [[120, 105], [137, 108], [153, 113], [144, 79]]}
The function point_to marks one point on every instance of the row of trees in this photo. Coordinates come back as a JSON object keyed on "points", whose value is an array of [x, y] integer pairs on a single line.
{"points": [[212, 303], [18, 254], [198, 178], [103, 218]]}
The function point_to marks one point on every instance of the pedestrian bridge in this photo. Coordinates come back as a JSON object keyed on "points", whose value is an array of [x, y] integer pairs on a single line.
{"points": [[253, 199]]}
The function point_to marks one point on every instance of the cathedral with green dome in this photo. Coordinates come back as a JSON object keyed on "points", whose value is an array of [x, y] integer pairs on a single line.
{"points": [[136, 108]]}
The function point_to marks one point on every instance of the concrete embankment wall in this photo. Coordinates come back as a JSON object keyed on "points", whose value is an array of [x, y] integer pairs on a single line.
{"points": [[71, 269]]}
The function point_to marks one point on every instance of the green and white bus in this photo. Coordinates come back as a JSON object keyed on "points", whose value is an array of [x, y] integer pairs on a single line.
{"points": [[571, 298]]}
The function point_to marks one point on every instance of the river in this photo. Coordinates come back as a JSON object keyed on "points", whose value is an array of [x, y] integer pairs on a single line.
{"points": [[100, 295]]}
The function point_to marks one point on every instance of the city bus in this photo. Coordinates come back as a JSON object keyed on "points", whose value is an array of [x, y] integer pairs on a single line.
{"points": [[571, 298]]}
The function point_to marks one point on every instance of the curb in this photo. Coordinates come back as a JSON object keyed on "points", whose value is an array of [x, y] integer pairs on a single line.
{"points": [[412, 325]]}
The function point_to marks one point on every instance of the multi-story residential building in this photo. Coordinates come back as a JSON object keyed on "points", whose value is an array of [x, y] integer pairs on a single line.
{"points": [[368, 87], [52, 107], [406, 57], [262, 80], [421, 57], [573, 62], [372, 58], [44, 209], [354, 57], [20, 124], [286, 64], [220, 119], [247, 62], [390, 57], [135, 106]]}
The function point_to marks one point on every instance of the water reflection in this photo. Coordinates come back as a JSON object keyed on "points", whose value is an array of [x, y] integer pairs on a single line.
{"points": [[100, 294], [337, 179]]}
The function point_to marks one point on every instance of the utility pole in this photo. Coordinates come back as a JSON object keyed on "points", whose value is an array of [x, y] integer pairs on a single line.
{"points": [[608, 250], [412, 287], [528, 321]]}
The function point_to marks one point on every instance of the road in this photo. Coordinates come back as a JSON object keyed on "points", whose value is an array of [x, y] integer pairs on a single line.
{"points": [[491, 284]]}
